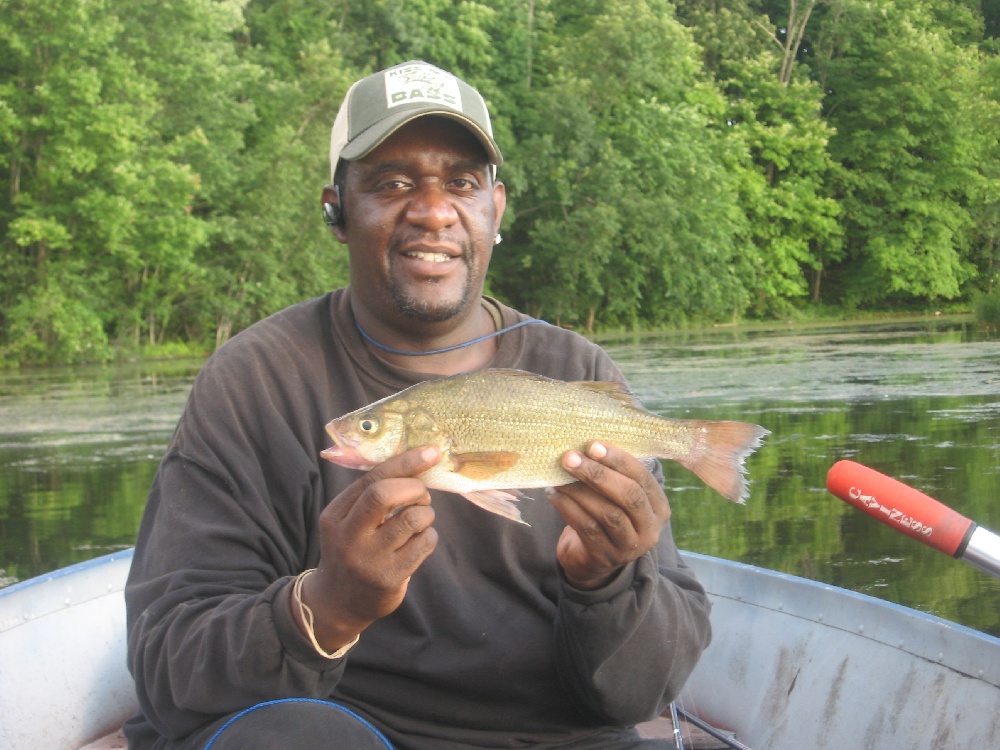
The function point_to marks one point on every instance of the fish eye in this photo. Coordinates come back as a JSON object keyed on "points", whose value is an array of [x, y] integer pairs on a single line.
{"points": [[368, 425]]}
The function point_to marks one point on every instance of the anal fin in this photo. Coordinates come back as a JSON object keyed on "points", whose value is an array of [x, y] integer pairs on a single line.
{"points": [[501, 502]]}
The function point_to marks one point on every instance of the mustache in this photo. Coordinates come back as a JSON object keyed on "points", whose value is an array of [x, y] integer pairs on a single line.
{"points": [[446, 238]]}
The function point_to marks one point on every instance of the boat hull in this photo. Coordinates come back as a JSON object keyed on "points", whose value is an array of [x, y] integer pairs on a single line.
{"points": [[798, 664], [793, 664], [62, 651]]}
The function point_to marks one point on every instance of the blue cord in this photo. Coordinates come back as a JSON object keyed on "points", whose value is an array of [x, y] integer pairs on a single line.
{"points": [[367, 724], [406, 353]]}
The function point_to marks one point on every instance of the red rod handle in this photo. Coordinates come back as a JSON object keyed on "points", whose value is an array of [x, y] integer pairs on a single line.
{"points": [[901, 507]]}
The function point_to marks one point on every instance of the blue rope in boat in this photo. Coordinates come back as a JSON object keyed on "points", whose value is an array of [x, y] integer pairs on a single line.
{"points": [[343, 709]]}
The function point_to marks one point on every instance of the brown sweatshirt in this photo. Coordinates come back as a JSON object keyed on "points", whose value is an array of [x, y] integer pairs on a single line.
{"points": [[490, 648]]}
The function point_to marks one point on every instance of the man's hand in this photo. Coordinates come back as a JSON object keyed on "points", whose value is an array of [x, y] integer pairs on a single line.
{"points": [[373, 537], [615, 514]]}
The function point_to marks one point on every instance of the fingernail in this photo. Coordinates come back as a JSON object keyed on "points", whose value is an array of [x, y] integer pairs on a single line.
{"points": [[597, 450], [429, 453], [550, 491], [573, 460]]}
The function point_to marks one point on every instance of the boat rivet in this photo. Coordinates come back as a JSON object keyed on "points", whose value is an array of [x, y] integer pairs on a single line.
{"points": [[820, 617], [861, 628], [981, 673], [940, 657], [66, 601]]}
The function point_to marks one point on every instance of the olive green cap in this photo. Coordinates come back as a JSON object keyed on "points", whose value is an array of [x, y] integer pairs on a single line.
{"points": [[377, 106]]}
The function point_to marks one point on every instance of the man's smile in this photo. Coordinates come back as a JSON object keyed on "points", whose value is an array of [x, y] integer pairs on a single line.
{"points": [[435, 257]]}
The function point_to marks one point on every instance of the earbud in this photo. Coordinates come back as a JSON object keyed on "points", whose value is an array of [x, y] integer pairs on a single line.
{"points": [[331, 214], [331, 211]]}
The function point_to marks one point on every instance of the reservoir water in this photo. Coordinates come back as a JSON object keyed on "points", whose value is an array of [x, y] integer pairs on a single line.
{"points": [[917, 400]]}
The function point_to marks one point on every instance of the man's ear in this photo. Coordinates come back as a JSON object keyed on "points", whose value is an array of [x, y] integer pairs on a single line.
{"points": [[499, 203], [333, 214]]}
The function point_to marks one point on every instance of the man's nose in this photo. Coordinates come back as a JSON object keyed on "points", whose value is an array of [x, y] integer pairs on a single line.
{"points": [[432, 207]]}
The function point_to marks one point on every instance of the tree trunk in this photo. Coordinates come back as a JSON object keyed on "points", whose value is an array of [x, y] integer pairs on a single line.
{"points": [[793, 38]]}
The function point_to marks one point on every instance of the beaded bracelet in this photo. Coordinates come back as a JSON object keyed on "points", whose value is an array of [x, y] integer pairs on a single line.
{"points": [[309, 621]]}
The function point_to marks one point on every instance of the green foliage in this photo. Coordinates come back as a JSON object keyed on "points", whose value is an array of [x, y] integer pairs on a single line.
{"points": [[665, 162], [793, 228], [987, 307], [912, 140], [627, 213]]}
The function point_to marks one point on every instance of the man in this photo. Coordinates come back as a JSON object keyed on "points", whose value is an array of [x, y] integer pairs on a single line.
{"points": [[277, 600]]}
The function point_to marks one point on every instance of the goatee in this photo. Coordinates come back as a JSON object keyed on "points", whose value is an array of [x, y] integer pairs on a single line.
{"points": [[427, 311]]}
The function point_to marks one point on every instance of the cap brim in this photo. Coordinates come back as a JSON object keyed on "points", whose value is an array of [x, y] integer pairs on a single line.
{"points": [[366, 142]]}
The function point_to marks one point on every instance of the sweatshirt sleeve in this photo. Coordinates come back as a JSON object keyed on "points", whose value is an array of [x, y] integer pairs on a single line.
{"points": [[210, 627], [229, 522], [626, 650]]}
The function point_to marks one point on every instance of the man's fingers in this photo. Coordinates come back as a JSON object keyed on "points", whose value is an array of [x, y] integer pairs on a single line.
{"points": [[388, 487], [620, 477], [410, 463], [615, 511], [384, 499]]}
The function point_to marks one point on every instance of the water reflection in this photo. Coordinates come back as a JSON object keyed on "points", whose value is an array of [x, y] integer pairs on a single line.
{"points": [[920, 402], [78, 449]]}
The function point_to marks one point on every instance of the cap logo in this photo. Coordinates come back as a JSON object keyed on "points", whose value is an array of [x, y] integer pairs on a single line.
{"points": [[408, 84]]}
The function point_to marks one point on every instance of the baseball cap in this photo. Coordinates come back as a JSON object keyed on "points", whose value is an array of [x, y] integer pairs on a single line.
{"points": [[377, 106]]}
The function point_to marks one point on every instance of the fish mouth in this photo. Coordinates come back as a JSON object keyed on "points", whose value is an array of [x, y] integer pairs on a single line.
{"points": [[344, 452]]}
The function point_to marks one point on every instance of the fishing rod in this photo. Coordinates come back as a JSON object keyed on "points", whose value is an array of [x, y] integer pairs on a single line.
{"points": [[915, 514], [725, 738], [675, 720]]}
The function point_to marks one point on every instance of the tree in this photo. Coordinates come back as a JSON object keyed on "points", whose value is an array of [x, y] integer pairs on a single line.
{"points": [[88, 182], [984, 204], [774, 111], [627, 212], [911, 134]]}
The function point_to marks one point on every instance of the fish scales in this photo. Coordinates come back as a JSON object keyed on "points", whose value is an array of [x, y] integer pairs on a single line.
{"points": [[554, 419], [500, 430]]}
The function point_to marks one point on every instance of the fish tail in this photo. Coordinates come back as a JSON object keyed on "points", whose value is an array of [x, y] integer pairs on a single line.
{"points": [[718, 455]]}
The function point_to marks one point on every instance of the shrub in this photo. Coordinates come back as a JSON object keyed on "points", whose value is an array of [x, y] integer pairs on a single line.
{"points": [[987, 308]]}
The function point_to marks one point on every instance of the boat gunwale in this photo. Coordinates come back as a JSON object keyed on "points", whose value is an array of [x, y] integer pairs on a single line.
{"points": [[42, 595], [922, 635]]}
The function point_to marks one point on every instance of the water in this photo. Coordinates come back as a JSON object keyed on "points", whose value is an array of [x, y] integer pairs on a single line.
{"points": [[919, 401], [78, 450]]}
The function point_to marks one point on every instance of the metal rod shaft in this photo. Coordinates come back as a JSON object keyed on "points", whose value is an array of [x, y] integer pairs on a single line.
{"points": [[983, 551]]}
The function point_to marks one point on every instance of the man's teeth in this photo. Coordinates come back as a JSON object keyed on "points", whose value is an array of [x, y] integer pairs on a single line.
{"points": [[432, 257]]}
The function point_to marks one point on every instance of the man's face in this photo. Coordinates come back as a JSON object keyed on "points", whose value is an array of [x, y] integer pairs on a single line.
{"points": [[421, 214]]}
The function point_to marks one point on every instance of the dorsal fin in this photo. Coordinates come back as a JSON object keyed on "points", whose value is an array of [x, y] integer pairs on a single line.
{"points": [[611, 389]]}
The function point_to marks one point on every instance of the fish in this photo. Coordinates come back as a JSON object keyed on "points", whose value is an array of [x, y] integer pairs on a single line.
{"points": [[503, 430]]}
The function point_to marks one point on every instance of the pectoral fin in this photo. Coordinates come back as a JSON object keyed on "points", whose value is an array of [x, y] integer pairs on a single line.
{"points": [[482, 464], [497, 501]]}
